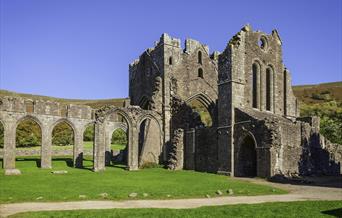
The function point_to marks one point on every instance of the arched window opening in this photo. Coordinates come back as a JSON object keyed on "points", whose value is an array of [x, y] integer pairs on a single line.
{"points": [[247, 158], [200, 73], [201, 116], [88, 146], [255, 87], [28, 137], [199, 57], [170, 60], [262, 43], [268, 88], [285, 92]]}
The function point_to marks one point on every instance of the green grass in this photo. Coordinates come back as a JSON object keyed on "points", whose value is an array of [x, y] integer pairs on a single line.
{"points": [[87, 145], [308, 209], [117, 182]]}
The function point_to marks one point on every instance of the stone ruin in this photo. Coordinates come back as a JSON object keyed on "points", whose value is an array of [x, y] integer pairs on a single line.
{"points": [[256, 127]]}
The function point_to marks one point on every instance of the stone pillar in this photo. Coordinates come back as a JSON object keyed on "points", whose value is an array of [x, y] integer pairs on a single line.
{"points": [[46, 149], [9, 146], [99, 147], [78, 148], [133, 146]]}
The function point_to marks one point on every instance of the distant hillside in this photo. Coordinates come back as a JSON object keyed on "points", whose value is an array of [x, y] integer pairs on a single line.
{"points": [[319, 93], [119, 102]]}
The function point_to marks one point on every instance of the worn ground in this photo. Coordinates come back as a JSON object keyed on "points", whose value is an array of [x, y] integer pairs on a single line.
{"points": [[297, 193]]}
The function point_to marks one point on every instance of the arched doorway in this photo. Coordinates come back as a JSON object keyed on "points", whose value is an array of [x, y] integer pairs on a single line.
{"points": [[116, 142], [88, 146], [63, 140], [247, 158], [119, 147], [28, 142]]}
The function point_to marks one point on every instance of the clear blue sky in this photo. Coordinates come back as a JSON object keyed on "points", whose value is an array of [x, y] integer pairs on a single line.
{"points": [[82, 48]]}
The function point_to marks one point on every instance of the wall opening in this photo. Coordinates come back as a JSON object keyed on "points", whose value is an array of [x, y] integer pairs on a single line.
{"points": [[247, 159], [28, 141], [88, 146], [255, 86], [268, 88], [201, 113], [262, 43], [119, 146], [285, 92], [170, 60], [199, 57], [117, 143], [63, 143], [200, 73]]}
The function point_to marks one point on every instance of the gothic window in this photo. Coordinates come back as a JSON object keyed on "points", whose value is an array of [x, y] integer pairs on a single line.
{"points": [[200, 73], [269, 85], [255, 69], [170, 60], [199, 57]]}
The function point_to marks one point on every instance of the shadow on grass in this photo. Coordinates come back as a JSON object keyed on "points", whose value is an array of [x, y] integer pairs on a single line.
{"points": [[33, 159], [68, 161], [334, 212]]}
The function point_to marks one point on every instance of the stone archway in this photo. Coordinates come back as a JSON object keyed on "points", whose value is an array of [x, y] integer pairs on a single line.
{"points": [[246, 165]]}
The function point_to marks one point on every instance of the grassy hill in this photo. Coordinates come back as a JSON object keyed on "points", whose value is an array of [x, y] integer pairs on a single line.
{"points": [[92, 103], [319, 93]]}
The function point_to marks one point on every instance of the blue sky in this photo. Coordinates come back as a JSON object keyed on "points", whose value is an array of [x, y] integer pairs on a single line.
{"points": [[82, 48]]}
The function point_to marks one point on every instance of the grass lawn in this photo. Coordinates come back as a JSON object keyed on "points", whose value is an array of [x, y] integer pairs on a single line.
{"points": [[158, 183], [308, 209]]}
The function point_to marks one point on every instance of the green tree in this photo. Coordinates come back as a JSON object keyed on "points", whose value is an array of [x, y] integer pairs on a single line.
{"points": [[63, 135], [119, 137], [89, 133], [28, 134]]}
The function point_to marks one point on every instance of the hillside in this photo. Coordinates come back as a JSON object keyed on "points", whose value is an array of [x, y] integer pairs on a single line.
{"points": [[92, 103], [319, 93]]}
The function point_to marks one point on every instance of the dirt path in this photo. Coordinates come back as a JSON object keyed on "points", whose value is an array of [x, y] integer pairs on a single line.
{"points": [[297, 193]]}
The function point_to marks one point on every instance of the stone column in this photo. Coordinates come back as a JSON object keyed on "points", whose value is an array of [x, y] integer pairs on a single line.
{"points": [[78, 148], [133, 146], [46, 149], [99, 147], [9, 146]]}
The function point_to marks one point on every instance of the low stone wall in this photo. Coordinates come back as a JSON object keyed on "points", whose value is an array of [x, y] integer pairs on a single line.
{"points": [[36, 152]]}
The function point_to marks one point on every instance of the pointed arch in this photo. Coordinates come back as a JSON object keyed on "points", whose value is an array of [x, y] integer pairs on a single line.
{"points": [[246, 160]]}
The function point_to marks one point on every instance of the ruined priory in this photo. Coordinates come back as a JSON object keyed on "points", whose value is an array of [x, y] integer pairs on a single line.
{"points": [[256, 128]]}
